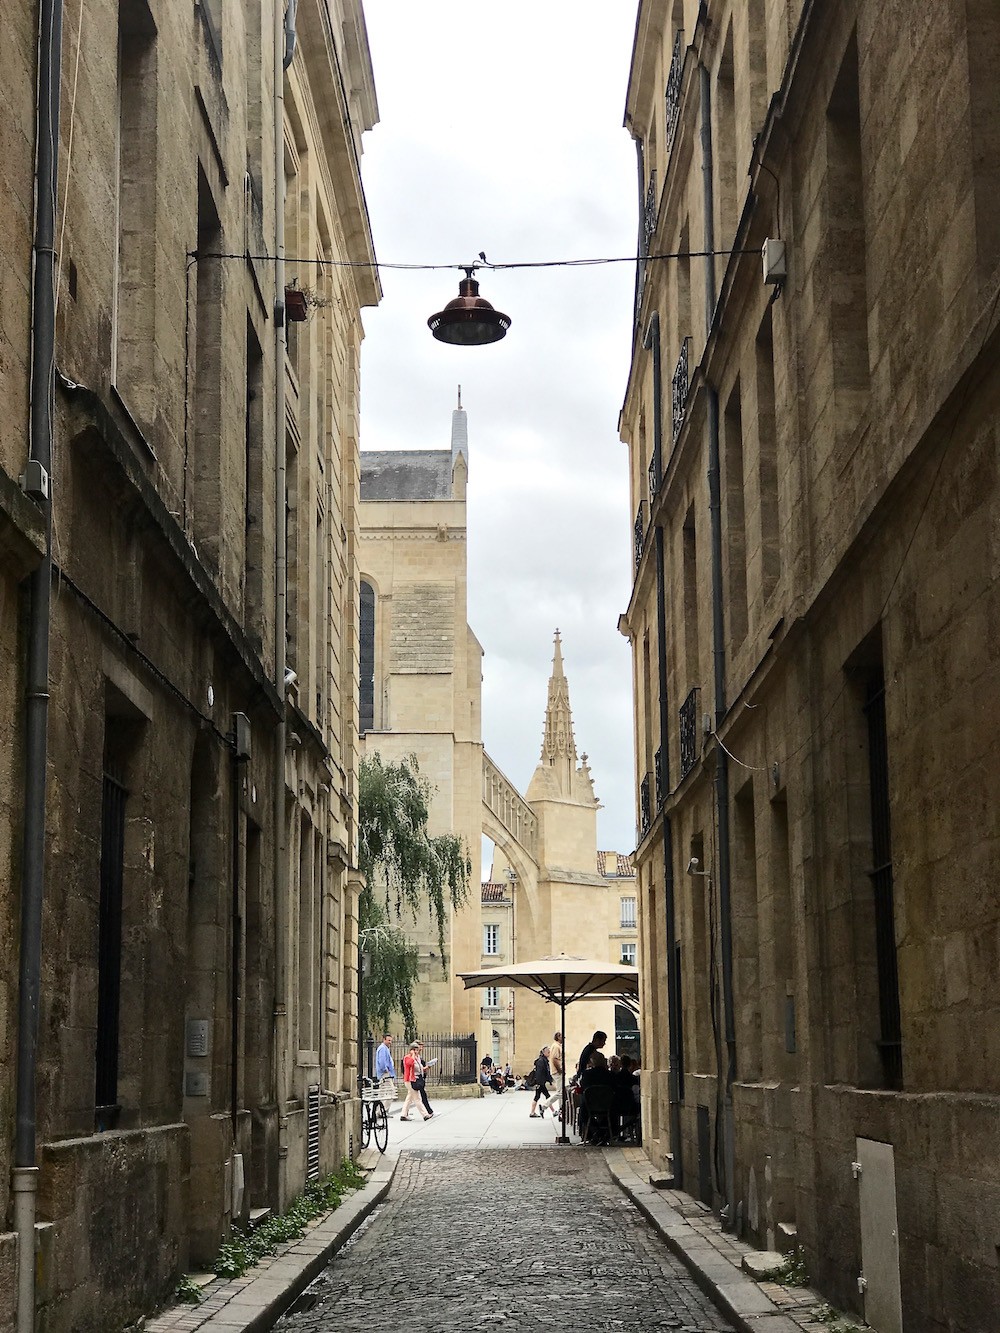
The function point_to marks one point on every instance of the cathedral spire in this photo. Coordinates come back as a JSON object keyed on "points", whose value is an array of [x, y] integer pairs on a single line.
{"points": [[559, 775], [459, 432], [557, 742]]}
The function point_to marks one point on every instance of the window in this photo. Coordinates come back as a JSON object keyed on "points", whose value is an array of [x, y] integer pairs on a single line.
{"points": [[628, 954], [366, 649], [492, 997], [628, 913], [491, 939]]}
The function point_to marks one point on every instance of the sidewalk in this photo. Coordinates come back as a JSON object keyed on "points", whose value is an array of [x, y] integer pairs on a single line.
{"points": [[716, 1259], [253, 1303]]}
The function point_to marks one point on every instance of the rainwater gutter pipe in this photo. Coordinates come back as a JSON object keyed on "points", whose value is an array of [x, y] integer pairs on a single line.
{"points": [[284, 50], [651, 343], [719, 663], [24, 1174]]}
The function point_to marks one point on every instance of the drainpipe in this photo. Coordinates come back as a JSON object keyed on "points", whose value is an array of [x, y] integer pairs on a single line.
{"points": [[283, 51], [25, 1172], [651, 342], [719, 666]]}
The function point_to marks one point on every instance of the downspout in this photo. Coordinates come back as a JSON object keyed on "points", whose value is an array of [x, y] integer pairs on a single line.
{"points": [[24, 1174], [719, 665], [283, 50], [651, 343]]}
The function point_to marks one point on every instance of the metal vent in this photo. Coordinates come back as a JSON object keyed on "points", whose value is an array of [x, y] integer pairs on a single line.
{"points": [[312, 1132]]}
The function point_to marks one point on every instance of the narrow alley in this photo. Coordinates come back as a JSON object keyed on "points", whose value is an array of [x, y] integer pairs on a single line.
{"points": [[489, 1222]]}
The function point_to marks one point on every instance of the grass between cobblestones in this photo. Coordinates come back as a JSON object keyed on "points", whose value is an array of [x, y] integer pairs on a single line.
{"points": [[244, 1249]]}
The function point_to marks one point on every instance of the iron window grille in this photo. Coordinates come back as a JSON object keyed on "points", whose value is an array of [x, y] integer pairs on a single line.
{"points": [[679, 385], [654, 469], [660, 777], [673, 92], [689, 732], [639, 533], [645, 815]]}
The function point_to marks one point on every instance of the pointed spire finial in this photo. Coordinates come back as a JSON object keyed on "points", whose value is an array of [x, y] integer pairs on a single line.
{"points": [[460, 397]]}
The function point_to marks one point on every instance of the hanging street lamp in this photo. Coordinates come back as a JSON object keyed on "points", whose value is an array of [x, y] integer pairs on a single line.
{"points": [[469, 320]]}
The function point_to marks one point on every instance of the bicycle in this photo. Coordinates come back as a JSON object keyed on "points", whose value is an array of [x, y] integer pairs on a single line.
{"points": [[374, 1121]]}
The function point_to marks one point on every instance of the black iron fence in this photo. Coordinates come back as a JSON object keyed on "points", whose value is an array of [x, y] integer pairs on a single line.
{"points": [[455, 1056], [689, 732]]}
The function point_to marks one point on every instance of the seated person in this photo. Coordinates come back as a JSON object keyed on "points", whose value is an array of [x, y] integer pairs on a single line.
{"points": [[596, 1073]]}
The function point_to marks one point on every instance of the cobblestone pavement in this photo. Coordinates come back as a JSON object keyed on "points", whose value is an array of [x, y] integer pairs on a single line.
{"points": [[544, 1234]]}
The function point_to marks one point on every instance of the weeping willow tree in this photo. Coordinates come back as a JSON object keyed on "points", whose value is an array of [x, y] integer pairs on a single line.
{"points": [[406, 871]]}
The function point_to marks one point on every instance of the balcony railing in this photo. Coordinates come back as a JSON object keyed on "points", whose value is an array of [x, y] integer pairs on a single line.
{"points": [[679, 385], [645, 813], [660, 775], [654, 472], [673, 93], [649, 213], [639, 532], [689, 732]]}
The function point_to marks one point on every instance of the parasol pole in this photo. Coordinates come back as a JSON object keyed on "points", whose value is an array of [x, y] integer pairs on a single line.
{"points": [[563, 1136]]}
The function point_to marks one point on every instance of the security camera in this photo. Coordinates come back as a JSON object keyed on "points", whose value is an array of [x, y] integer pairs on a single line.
{"points": [[290, 677]]}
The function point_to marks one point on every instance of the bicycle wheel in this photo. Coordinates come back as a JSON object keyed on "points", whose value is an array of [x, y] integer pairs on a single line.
{"points": [[380, 1126], [366, 1122]]}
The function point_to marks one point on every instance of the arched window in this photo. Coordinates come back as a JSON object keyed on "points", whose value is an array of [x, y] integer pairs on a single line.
{"points": [[366, 650]]}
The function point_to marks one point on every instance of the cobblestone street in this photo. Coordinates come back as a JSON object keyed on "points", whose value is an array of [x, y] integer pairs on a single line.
{"points": [[520, 1237]]}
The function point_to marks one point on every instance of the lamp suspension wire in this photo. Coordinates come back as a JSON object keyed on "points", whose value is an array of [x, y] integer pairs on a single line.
{"points": [[479, 264]]}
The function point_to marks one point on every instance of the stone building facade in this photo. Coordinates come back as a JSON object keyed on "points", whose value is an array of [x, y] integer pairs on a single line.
{"points": [[421, 673], [813, 455], [197, 1047], [561, 894]]}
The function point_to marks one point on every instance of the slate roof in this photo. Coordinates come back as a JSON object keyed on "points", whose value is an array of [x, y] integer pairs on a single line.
{"points": [[406, 474]]}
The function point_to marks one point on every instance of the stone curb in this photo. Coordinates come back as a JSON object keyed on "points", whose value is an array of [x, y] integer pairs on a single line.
{"points": [[737, 1296], [280, 1284]]}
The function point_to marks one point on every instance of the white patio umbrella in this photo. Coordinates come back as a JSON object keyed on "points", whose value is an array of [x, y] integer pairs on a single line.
{"points": [[562, 978]]}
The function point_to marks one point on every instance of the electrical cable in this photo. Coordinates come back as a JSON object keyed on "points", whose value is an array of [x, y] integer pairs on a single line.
{"points": [[479, 264]]}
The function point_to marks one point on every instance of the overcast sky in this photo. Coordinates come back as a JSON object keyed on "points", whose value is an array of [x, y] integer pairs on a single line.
{"points": [[501, 130]]}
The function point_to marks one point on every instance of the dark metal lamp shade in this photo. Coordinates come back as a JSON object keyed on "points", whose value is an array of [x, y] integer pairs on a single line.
{"points": [[469, 320]]}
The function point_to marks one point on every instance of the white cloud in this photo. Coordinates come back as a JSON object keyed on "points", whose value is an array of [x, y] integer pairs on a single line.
{"points": [[501, 130]]}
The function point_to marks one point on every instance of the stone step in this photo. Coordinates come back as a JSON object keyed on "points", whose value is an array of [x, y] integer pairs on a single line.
{"points": [[762, 1264]]}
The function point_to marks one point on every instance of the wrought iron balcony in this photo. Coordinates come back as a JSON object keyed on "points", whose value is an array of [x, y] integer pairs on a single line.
{"points": [[689, 732], [654, 468], [649, 213], [659, 774], [679, 385], [639, 532], [645, 812], [673, 93]]}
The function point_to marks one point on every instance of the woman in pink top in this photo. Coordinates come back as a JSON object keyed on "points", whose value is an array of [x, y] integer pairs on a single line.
{"points": [[412, 1066]]}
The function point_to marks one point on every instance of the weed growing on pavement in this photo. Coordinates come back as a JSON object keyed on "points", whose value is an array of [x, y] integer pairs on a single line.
{"points": [[187, 1291], [839, 1323], [793, 1272], [246, 1248]]}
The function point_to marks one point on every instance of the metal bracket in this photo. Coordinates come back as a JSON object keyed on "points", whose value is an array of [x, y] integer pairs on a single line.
{"points": [[856, 1170]]}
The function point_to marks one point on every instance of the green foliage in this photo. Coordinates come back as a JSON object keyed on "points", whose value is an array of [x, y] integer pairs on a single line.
{"points": [[839, 1323], [793, 1272], [405, 868], [246, 1248], [187, 1291]]}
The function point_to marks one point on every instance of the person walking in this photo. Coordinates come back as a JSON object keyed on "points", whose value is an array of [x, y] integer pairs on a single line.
{"points": [[385, 1071], [420, 1083], [556, 1065], [411, 1065], [543, 1077]]}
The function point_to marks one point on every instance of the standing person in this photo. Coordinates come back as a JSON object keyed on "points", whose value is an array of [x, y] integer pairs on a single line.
{"points": [[421, 1080], [411, 1068], [543, 1077], [596, 1043], [385, 1070]]}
